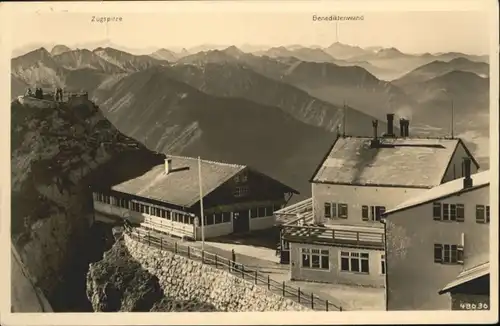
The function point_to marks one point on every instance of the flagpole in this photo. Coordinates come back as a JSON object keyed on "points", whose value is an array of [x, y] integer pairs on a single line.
{"points": [[201, 206]]}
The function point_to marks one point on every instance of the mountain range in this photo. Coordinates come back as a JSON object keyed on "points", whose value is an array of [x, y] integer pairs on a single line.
{"points": [[277, 109]]}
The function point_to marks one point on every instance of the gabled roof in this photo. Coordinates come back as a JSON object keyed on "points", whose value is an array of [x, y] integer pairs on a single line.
{"points": [[467, 275], [444, 190], [181, 186], [400, 162]]}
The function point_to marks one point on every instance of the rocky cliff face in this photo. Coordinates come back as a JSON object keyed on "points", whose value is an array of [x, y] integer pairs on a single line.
{"points": [[119, 283], [56, 155]]}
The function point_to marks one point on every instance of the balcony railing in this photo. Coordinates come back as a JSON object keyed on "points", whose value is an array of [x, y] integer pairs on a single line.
{"points": [[313, 234]]}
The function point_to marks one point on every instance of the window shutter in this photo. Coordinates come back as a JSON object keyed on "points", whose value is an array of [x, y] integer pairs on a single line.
{"points": [[460, 213], [436, 211], [334, 210], [438, 253], [364, 213], [328, 210], [479, 213], [460, 254]]}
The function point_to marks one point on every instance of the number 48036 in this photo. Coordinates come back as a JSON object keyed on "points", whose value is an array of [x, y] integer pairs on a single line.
{"points": [[474, 306]]}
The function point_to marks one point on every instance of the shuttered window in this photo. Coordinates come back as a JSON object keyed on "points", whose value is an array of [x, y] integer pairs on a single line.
{"points": [[328, 210], [448, 254], [480, 214], [460, 212], [364, 213]]}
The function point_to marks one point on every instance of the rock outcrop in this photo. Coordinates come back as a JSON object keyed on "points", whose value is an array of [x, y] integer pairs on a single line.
{"points": [[56, 155], [119, 283]]}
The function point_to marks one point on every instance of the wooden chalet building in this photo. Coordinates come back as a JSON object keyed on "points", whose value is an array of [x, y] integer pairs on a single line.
{"points": [[165, 196], [336, 235]]}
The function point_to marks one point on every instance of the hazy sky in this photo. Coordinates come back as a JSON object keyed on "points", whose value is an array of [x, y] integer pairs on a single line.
{"points": [[412, 32]]}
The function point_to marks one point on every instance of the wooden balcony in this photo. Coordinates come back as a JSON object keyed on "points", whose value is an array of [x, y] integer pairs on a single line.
{"points": [[293, 214], [341, 235]]}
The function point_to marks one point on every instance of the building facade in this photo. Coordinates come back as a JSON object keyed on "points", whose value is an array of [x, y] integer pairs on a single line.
{"points": [[471, 289], [359, 179], [430, 237], [166, 198]]}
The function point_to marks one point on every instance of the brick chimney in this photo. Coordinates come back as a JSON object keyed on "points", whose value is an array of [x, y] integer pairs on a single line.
{"points": [[168, 165], [467, 178], [402, 127], [390, 124]]}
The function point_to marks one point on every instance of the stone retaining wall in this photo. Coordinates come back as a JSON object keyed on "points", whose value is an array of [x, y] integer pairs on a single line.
{"points": [[185, 279]]}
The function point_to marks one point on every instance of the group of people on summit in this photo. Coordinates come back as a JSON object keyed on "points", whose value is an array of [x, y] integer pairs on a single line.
{"points": [[58, 94]]}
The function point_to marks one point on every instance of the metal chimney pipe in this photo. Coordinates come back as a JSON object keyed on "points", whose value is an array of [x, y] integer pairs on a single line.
{"points": [[375, 125], [390, 124], [467, 178]]}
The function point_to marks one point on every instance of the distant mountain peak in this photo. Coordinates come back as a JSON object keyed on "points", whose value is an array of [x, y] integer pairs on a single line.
{"points": [[60, 48], [460, 60], [233, 50], [390, 50]]}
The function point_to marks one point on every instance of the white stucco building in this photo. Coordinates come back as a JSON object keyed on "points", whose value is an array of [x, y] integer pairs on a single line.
{"points": [[358, 180], [431, 237]]}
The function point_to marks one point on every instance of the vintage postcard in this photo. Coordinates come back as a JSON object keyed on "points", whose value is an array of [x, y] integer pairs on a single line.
{"points": [[249, 162]]}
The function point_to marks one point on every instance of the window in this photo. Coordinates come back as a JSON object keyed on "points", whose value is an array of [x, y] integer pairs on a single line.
{"points": [[241, 191], [135, 206], [315, 258], [382, 264], [269, 211], [328, 210], [342, 210], [124, 203], [448, 254], [162, 213], [217, 218], [364, 213], [354, 262], [331, 210], [448, 212], [241, 178], [261, 211], [169, 215], [376, 212], [209, 219], [482, 214], [226, 217]]}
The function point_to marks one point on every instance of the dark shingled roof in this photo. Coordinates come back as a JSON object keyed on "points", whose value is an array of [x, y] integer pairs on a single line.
{"points": [[181, 186], [412, 162]]}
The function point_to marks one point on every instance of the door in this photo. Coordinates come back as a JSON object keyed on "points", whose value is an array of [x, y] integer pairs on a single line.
{"points": [[241, 221]]}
